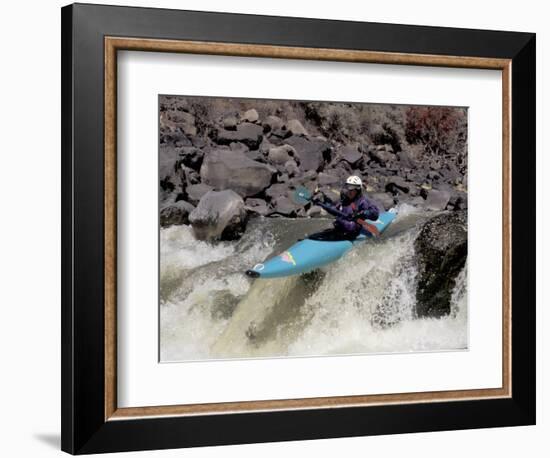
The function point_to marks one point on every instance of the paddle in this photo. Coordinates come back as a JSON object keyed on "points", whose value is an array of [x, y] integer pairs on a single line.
{"points": [[303, 196]]}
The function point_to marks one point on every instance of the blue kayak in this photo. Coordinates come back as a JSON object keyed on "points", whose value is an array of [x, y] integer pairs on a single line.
{"points": [[308, 254]]}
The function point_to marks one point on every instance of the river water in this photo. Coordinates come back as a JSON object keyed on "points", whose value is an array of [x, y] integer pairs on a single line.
{"points": [[363, 303]]}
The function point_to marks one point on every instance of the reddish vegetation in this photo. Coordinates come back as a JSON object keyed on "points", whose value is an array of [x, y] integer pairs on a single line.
{"points": [[440, 129]]}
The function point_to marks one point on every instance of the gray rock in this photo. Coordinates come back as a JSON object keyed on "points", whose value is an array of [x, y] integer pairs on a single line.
{"points": [[383, 200], [311, 153], [415, 201], [281, 154], [198, 141], [405, 160], [295, 127], [435, 163], [175, 213], [441, 249], [432, 175], [258, 206], [230, 123], [181, 117], [265, 146], [171, 177], [292, 168], [435, 199], [196, 191], [285, 206], [397, 185], [236, 146], [191, 157], [250, 115], [276, 190], [255, 155], [310, 175], [219, 215], [272, 123], [350, 154], [277, 135], [168, 155], [179, 120], [190, 175], [331, 193], [450, 174], [225, 169], [247, 133], [179, 139], [459, 200], [381, 156], [328, 179], [316, 212]]}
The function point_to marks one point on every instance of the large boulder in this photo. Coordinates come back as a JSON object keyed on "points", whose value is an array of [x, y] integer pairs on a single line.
{"points": [[249, 134], [219, 215], [311, 153], [226, 169], [441, 249], [175, 213]]}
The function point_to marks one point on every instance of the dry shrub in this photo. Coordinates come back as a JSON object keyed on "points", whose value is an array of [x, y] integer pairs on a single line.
{"points": [[441, 130]]}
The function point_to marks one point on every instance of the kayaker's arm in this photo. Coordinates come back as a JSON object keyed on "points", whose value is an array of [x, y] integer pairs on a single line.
{"points": [[331, 209], [348, 222], [367, 210]]}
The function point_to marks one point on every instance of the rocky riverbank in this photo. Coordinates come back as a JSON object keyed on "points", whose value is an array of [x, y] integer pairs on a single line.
{"points": [[223, 161]]}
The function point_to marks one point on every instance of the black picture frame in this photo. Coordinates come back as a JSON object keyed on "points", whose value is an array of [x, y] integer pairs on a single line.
{"points": [[84, 427]]}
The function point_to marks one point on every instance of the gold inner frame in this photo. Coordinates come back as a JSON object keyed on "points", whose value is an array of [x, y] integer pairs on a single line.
{"points": [[112, 45]]}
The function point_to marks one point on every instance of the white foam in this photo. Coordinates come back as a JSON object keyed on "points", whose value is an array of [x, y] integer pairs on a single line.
{"points": [[364, 303]]}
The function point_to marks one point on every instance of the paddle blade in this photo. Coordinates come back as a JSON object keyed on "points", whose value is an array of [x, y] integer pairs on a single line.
{"points": [[301, 195], [371, 228]]}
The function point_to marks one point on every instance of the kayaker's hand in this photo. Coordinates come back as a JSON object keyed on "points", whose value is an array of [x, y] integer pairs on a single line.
{"points": [[318, 198], [322, 198]]}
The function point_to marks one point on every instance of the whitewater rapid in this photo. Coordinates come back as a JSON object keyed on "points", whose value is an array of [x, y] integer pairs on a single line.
{"points": [[363, 303]]}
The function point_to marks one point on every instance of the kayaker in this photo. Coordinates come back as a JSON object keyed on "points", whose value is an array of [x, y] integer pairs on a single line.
{"points": [[353, 205]]}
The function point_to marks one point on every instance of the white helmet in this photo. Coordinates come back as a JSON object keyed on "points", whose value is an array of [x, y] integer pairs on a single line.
{"points": [[354, 181]]}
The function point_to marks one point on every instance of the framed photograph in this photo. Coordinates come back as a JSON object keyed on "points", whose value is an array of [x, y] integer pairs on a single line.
{"points": [[281, 228]]}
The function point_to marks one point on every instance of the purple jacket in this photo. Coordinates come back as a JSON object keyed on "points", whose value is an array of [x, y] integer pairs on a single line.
{"points": [[360, 206]]}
